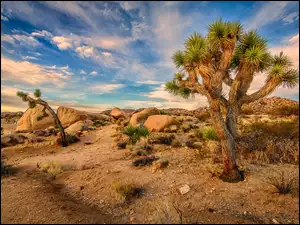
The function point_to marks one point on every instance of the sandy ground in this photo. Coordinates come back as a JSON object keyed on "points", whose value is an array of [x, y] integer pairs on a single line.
{"points": [[83, 193]]}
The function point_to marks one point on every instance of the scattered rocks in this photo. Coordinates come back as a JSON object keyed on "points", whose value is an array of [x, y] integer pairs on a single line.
{"points": [[12, 139], [184, 189], [142, 116], [118, 113]]}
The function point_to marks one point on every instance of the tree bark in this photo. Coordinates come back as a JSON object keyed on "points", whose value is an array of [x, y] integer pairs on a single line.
{"points": [[226, 135], [57, 121]]}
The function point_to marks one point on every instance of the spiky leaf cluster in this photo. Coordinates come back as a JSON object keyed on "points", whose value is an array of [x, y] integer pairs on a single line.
{"points": [[38, 93], [172, 87]]}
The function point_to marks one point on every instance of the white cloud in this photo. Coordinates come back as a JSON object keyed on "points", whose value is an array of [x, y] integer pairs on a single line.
{"points": [[150, 82], [294, 38], [105, 88], [28, 57], [172, 101], [42, 33], [291, 18], [82, 72], [31, 73], [85, 51], [62, 42], [292, 50], [93, 73], [4, 18], [7, 38], [26, 40], [106, 54], [268, 13]]}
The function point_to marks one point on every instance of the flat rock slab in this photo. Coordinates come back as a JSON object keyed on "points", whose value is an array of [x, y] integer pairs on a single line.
{"points": [[184, 189]]}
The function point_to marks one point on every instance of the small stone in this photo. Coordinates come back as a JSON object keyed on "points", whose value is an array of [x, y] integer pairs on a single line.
{"points": [[275, 221], [184, 189], [245, 213]]}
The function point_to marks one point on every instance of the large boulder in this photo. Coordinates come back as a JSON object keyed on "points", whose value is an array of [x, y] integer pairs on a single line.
{"points": [[12, 139], [68, 116], [118, 113], [29, 119], [79, 126], [142, 116], [159, 122]]}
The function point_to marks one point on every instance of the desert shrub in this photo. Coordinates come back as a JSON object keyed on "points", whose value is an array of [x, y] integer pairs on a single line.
{"points": [[209, 133], [247, 110], [51, 168], [283, 182], [285, 110], [203, 116], [98, 123], [176, 143], [7, 170], [161, 138], [135, 133], [214, 169], [126, 190], [163, 112], [70, 139], [144, 161], [280, 128]]}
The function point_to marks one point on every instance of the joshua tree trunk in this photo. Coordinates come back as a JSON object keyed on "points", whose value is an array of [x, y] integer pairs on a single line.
{"points": [[58, 123], [226, 133]]}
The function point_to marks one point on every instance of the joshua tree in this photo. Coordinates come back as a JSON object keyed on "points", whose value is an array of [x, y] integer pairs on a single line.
{"points": [[33, 102], [233, 57]]}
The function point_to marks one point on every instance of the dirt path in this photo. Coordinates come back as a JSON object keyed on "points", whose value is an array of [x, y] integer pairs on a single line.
{"points": [[83, 192]]}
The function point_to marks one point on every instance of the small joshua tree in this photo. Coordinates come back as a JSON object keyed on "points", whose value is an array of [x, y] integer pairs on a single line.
{"points": [[33, 102], [208, 62]]}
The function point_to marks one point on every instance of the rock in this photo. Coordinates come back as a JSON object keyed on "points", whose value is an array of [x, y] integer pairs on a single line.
{"points": [[29, 119], [118, 113], [40, 133], [78, 126], [139, 117], [176, 143], [69, 116], [275, 221], [35, 140], [12, 139], [184, 189], [173, 128], [122, 145], [159, 122]]}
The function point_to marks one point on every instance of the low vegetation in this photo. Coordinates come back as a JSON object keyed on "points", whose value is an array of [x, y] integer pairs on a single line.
{"points": [[285, 110], [209, 133], [99, 123], [135, 133], [126, 190], [51, 168], [283, 182]]}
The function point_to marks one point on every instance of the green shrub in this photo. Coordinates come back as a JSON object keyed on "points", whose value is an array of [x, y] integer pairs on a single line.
{"points": [[135, 133], [209, 133], [163, 112], [98, 123]]}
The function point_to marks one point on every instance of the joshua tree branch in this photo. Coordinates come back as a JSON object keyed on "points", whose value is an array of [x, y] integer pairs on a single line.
{"points": [[268, 88]]}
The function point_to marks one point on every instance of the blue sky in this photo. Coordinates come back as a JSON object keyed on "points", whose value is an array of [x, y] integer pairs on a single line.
{"points": [[96, 55]]}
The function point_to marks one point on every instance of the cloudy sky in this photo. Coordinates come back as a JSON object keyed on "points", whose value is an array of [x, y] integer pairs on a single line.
{"points": [[96, 55]]}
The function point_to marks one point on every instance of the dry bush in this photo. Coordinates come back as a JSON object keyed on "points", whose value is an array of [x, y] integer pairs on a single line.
{"points": [[209, 133], [203, 116], [247, 110], [283, 182], [51, 168], [126, 190], [285, 110]]}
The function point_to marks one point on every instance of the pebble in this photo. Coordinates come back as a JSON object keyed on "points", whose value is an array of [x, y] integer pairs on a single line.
{"points": [[184, 189], [275, 221]]}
